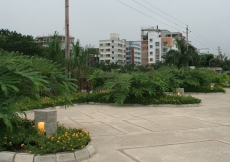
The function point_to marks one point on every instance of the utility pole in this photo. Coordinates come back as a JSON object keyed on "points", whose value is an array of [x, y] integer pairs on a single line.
{"points": [[67, 39], [187, 41], [187, 37], [219, 52]]}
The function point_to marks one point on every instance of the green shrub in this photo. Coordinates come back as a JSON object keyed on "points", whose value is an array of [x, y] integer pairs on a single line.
{"points": [[24, 136], [145, 100], [121, 86], [24, 79]]}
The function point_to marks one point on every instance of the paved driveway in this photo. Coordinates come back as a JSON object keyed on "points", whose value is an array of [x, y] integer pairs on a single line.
{"points": [[156, 134]]}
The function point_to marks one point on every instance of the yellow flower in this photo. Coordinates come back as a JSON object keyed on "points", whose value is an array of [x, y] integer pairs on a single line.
{"points": [[22, 144]]}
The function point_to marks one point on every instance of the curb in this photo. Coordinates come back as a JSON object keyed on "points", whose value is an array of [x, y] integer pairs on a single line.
{"points": [[75, 156]]}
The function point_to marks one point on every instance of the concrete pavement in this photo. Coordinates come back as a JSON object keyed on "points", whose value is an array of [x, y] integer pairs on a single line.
{"points": [[156, 134]]}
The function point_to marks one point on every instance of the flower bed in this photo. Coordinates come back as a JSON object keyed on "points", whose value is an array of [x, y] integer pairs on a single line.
{"points": [[24, 137]]}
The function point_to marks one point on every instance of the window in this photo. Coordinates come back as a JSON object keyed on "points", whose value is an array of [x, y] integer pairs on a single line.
{"points": [[112, 52], [157, 57], [107, 44], [165, 49], [101, 50], [151, 46], [157, 43], [157, 50], [101, 55], [107, 55], [165, 43], [150, 40], [112, 46], [151, 53], [107, 49], [112, 57], [112, 41], [119, 45], [101, 44], [151, 59]]}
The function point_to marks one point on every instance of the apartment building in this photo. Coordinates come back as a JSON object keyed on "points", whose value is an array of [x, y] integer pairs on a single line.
{"points": [[133, 52], [203, 51], [156, 43], [113, 50], [44, 40]]}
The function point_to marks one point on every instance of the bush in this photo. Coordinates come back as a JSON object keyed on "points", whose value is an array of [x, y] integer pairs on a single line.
{"points": [[145, 100], [24, 136], [24, 79]]}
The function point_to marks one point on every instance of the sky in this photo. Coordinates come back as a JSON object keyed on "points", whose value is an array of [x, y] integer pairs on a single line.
{"points": [[94, 20]]}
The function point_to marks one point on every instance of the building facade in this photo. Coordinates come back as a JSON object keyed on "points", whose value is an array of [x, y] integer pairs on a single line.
{"points": [[133, 52], [44, 40], [156, 43], [203, 51], [113, 50]]}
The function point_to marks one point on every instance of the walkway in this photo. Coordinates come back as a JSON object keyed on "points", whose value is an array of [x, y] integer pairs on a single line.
{"points": [[156, 134]]}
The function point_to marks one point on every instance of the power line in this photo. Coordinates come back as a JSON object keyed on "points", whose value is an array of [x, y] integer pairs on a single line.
{"points": [[204, 37], [194, 31], [157, 14], [146, 15], [202, 43], [164, 12]]}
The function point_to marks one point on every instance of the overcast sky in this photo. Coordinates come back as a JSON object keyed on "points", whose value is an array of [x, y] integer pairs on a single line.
{"points": [[94, 20]]}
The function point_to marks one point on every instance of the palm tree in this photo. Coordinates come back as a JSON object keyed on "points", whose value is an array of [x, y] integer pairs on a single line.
{"points": [[54, 50], [78, 60], [181, 57]]}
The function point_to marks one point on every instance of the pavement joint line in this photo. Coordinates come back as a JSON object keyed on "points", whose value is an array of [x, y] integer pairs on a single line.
{"points": [[160, 117], [86, 114], [138, 126], [171, 144], [114, 128], [207, 121], [140, 117], [222, 142], [136, 160], [74, 120], [128, 155], [215, 113], [106, 114], [163, 131]]}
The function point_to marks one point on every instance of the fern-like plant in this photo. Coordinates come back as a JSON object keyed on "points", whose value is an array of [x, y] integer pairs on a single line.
{"points": [[25, 79]]}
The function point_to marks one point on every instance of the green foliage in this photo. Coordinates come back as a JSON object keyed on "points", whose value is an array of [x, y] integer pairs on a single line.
{"points": [[12, 41], [54, 50], [24, 136], [25, 79], [137, 84], [181, 57], [99, 97]]}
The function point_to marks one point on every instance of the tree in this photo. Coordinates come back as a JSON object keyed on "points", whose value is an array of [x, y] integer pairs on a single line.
{"points": [[78, 60], [54, 50], [182, 57], [206, 59], [13, 41]]}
